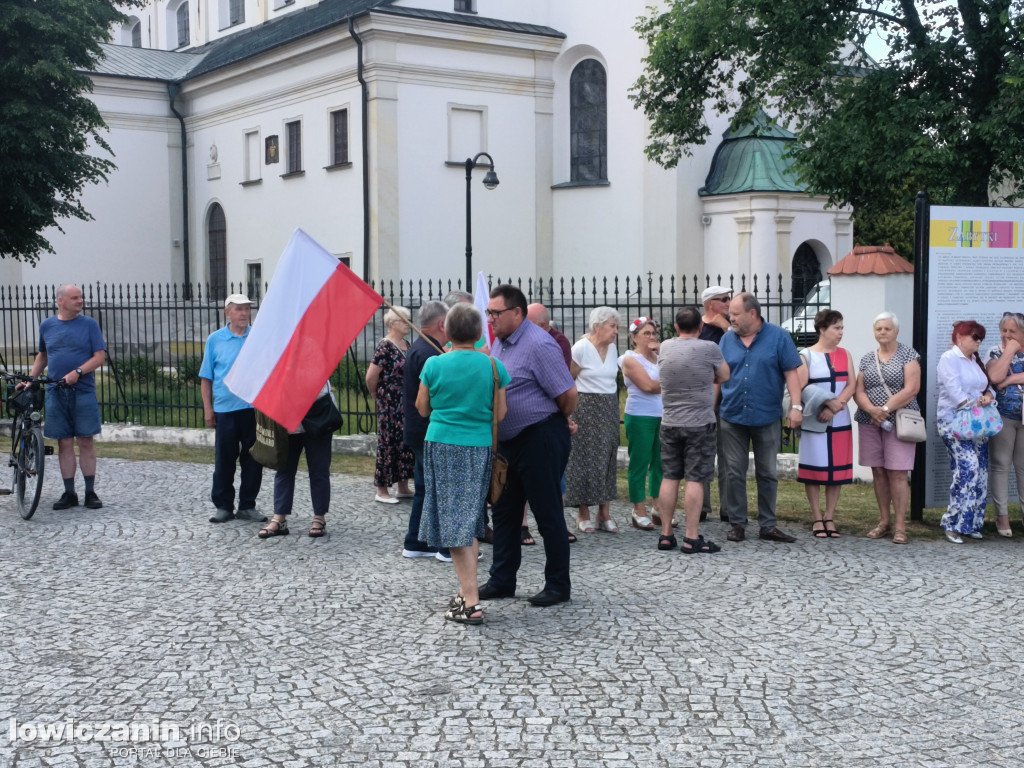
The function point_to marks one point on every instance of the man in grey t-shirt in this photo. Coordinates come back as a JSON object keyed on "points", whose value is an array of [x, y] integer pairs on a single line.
{"points": [[690, 370]]}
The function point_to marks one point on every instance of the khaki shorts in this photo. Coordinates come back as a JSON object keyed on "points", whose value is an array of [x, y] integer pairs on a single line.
{"points": [[688, 453]]}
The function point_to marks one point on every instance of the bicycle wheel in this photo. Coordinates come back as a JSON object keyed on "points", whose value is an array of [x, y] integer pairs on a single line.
{"points": [[28, 473]]}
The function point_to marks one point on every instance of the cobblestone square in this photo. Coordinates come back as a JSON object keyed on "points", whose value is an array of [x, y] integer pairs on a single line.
{"points": [[297, 652]]}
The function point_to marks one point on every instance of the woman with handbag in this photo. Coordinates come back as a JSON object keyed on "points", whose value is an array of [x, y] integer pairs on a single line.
{"points": [[964, 393], [889, 380], [313, 436], [1006, 373], [826, 457], [463, 393]]}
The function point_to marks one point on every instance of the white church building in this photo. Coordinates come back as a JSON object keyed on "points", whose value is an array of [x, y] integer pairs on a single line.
{"points": [[235, 121]]}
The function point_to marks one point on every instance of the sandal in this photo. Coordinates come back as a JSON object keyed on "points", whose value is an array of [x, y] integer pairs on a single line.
{"points": [[666, 543], [461, 613], [657, 518], [608, 526], [819, 533], [525, 539], [899, 537], [879, 531], [317, 528], [834, 532], [280, 529], [642, 522], [572, 538], [587, 526], [698, 546]]}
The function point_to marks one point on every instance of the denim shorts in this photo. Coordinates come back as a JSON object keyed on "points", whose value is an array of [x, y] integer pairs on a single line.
{"points": [[71, 413]]}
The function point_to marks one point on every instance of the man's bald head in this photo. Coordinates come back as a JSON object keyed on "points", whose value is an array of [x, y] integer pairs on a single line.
{"points": [[538, 315]]}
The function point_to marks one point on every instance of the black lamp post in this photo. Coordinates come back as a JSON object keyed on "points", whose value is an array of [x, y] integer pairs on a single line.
{"points": [[490, 181]]}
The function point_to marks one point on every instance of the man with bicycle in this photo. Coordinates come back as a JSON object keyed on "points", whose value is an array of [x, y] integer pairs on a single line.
{"points": [[71, 347]]}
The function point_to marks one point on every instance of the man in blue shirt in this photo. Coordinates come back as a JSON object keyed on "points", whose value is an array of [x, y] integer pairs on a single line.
{"points": [[233, 418], [71, 348], [534, 437], [762, 359]]}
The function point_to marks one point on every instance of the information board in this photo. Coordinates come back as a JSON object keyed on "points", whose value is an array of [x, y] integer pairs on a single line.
{"points": [[975, 269]]}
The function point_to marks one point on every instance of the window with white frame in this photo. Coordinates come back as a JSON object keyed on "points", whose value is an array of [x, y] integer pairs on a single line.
{"points": [[254, 280], [293, 146], [230, 12], [465, 6], [181, 18], [136, 35], [253, 155], [339, 137], [467, 132], [588, 120]]}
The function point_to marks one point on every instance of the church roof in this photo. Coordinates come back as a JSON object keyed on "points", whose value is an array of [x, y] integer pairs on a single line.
{"points": [[871, 260], [176, 66], [752, 159]]}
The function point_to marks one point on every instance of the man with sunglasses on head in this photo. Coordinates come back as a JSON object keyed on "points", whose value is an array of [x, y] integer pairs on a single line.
{"points": [[534, 437]]}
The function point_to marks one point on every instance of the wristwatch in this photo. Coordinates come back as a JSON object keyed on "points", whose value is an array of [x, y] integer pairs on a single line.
{"points": [[79, 372], [797, 408], [885, 408]]}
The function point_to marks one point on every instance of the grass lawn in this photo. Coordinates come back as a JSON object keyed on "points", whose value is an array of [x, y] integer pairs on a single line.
{"points": [[857, 513]]}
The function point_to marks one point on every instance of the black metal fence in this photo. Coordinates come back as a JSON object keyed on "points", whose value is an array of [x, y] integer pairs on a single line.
{"points": [[155, 335]]}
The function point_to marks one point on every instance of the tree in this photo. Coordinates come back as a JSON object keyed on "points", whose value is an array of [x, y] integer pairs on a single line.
{"points": [[48, 126], [943, 111]]}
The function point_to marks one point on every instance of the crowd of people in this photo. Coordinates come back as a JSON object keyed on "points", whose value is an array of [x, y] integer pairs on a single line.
{"points": [[711, 391]]}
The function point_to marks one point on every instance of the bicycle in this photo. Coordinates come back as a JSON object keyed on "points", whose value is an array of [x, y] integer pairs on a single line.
{"points": [[28, 450]]}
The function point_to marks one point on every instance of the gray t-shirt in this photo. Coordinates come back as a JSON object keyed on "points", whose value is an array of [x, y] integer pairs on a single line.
{"points": [[686, 369]]}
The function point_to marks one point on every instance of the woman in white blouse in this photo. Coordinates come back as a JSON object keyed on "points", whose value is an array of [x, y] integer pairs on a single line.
{"points": [[591, 474], [963, 381]]}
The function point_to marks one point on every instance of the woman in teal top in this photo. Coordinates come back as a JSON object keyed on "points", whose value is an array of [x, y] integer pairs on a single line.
{"points": [[457, 394]]}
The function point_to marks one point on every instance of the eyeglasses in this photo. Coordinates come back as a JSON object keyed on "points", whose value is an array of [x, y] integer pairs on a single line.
{"points": [[494, 313], [977, 338]]}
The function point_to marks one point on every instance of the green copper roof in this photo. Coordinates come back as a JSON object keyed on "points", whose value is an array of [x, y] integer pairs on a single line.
{"points": [[752, 159]]}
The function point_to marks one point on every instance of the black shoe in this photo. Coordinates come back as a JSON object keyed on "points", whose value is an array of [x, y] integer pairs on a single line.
{"points": [[222, 516], [738, 533], [66, 501], [251, 515], [92, 501], [548, 597], [776, 535], [489, 592], [723, 517], [703, 516]]}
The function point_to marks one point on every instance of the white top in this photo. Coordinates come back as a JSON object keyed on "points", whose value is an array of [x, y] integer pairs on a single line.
{"points": [[638, 402], [959, 379], [597, 376]]}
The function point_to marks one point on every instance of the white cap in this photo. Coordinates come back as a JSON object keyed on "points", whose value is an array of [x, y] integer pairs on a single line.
{"points": [[236, 298], [714, 290]]}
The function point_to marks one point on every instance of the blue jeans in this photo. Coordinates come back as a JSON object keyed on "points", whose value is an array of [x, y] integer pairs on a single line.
{"points": [[318, 461], [537, 457], [235, 434], [736, 441]]}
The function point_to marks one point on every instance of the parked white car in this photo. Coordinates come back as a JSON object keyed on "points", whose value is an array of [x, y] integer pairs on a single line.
{"points": [[802, 320]]}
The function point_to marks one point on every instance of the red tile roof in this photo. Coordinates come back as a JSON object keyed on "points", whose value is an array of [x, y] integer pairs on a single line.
{"points": [[871, 260]]}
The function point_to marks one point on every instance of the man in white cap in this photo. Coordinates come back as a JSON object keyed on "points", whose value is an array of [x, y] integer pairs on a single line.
{"points": [[232, 417], [716, 300], [716, 312]]}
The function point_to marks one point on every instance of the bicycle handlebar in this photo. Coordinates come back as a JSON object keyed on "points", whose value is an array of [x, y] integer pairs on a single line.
{"points": [[30, 380]]}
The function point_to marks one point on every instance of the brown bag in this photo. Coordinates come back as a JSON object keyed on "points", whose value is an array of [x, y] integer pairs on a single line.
{"points": [[271, 446], [499, 464]]}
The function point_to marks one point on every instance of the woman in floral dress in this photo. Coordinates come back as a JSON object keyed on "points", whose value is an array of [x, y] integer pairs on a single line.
{"points": [[384, 379]]}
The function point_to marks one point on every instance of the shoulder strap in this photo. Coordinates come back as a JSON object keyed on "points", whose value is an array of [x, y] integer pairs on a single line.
{"points": [[881, 378], [494, 408]]}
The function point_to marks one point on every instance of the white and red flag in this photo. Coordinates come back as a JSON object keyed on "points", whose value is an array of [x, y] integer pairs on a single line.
{"points": [[314, 309], [480, 300]]}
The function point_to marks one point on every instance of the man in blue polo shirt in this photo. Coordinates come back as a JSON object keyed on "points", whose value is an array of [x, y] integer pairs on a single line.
{"points": [[762, 359], [233, 418]]}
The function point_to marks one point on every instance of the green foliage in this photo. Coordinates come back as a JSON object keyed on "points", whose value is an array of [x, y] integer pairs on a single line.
{"points": [[349, 376], [943, 111], [47, 124], [188, 368], [140, 370]]}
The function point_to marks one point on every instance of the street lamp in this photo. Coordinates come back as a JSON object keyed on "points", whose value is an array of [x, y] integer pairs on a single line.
{"points": [[490, 181]]}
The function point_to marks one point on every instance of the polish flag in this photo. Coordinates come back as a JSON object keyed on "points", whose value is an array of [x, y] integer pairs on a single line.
{"points": [[314, 309], [480, 301]]}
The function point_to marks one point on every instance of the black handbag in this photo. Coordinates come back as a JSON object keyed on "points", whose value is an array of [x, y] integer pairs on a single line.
{"points": [[323, 417], [271, 446]]}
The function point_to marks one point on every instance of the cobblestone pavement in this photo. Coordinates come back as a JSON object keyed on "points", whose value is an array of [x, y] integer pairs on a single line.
{"points": [[298, 652]]}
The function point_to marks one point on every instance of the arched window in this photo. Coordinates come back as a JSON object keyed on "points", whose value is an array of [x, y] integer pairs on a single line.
{"points": [[806, 272], [217, 252], [137, 34], [588, 117], [184, 36]]}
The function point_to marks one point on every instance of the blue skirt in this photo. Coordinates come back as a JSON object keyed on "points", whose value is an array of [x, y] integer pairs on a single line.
{"points": [[456, 479]]}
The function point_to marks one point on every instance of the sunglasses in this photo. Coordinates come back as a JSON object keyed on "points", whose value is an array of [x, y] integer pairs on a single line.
{"points": [[977, 338], [1016, 315]]}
